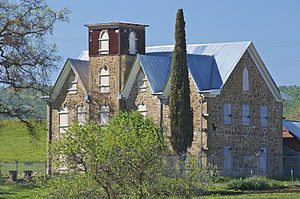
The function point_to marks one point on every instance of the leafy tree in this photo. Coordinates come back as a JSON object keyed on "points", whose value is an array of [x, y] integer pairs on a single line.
{"points": [[291, 108], [181, 115], [26, 56], [122, 157]]}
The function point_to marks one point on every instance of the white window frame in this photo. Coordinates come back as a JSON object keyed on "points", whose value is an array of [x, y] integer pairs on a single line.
{"points": [[132, 43], [245, 115], [227, 114], [104, 114], [63, 125], [142, 86], [72, 86], [81, 115], [104, 75], [103, 42], [245, 80], [142, 108], [263, 116]]}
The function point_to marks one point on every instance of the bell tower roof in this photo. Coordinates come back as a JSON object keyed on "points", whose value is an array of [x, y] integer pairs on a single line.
{"points": [[115, 24]]}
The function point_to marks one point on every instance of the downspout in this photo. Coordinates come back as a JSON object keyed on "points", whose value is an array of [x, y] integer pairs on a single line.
{"points": [[49, 135], [201, 129], [161, 120]]}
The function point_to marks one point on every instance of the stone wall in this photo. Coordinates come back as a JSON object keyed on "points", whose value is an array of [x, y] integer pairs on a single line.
{"points": [[69, 100], [118, 68], [245, 141]]}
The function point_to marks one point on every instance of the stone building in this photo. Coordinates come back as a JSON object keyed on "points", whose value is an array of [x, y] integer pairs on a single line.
{"points": [[236, 104]]}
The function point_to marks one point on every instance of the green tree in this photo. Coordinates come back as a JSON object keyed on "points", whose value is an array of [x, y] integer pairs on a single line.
{"points": [[122, 158], [27, 58], [181, 115]]}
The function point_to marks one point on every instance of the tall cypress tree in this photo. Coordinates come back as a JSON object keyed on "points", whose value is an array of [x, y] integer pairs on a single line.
{"points": [[181, 115]]}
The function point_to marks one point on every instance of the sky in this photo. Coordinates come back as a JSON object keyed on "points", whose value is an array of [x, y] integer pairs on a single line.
{"points": [[272, 25]]}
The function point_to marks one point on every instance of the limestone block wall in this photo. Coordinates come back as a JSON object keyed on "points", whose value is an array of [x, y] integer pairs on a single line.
{"points": [[145, 97], [118, 69], [152, 103], [69, 100], [247, 140]]}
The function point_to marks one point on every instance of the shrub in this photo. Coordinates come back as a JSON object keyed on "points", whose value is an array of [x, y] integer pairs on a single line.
{"points": [[253, 183]]}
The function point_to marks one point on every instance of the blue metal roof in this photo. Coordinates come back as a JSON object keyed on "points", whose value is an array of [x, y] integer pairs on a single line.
{"points": [[209, 64], [293, 127]]}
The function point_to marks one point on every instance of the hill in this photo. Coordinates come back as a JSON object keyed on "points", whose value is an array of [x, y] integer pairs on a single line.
{"points": [[291, 108], [16, 143], [29, 101]]}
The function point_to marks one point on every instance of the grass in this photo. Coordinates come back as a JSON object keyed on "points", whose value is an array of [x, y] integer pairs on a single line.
{"points": [[16, 144], [12, 190]]}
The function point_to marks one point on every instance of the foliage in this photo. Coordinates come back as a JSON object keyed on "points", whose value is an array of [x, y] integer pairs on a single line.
{"points": [[181, 115], [17, 144], [122, 157], [30, 101], [291, 108], [68, 186], [190, 182], [26, 57], [254, 183]]}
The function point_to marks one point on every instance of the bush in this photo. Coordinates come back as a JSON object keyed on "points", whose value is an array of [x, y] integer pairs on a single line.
{"points": [[253, 183]]}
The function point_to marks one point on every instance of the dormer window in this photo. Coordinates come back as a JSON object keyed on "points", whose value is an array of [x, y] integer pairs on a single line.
{"points": [[245, 80], [104, 80], [104, 43], [132, 43]]}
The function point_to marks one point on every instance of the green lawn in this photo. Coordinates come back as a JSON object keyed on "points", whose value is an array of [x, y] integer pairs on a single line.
{"points": [[16, 191], [16, 143]]}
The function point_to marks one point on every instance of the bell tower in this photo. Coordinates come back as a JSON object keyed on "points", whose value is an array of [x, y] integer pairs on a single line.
{"points": [[112, 48]]}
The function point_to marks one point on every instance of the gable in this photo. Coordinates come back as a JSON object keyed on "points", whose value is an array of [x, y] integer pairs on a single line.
{"points": [[80, 69]]}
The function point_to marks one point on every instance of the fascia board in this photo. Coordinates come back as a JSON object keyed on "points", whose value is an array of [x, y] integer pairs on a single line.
{"points": [[264, 72], [80, 82], [132, 76], [60, 81]]}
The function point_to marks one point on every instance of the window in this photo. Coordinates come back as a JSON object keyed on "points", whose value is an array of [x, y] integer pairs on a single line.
{"points": [[227, 114], [245, 80], [142, 82], [81, 115], [263, 160], [263, 115], [245, 115], [63, 120], [104, 114], [104, 80], [132, 43], [72, 84], [62, 163], [142, 109], [104, 43], [227, 158]]}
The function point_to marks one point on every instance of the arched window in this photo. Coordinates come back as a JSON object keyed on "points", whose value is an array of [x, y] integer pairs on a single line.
{"points": [[104, 43], [72, 87], [245, 80], [142, 82], [142, 109], [132, 43], [104, 80]]}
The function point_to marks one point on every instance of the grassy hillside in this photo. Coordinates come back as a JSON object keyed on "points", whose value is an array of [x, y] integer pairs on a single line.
{"points": [[16, 143], [291, 108]]}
